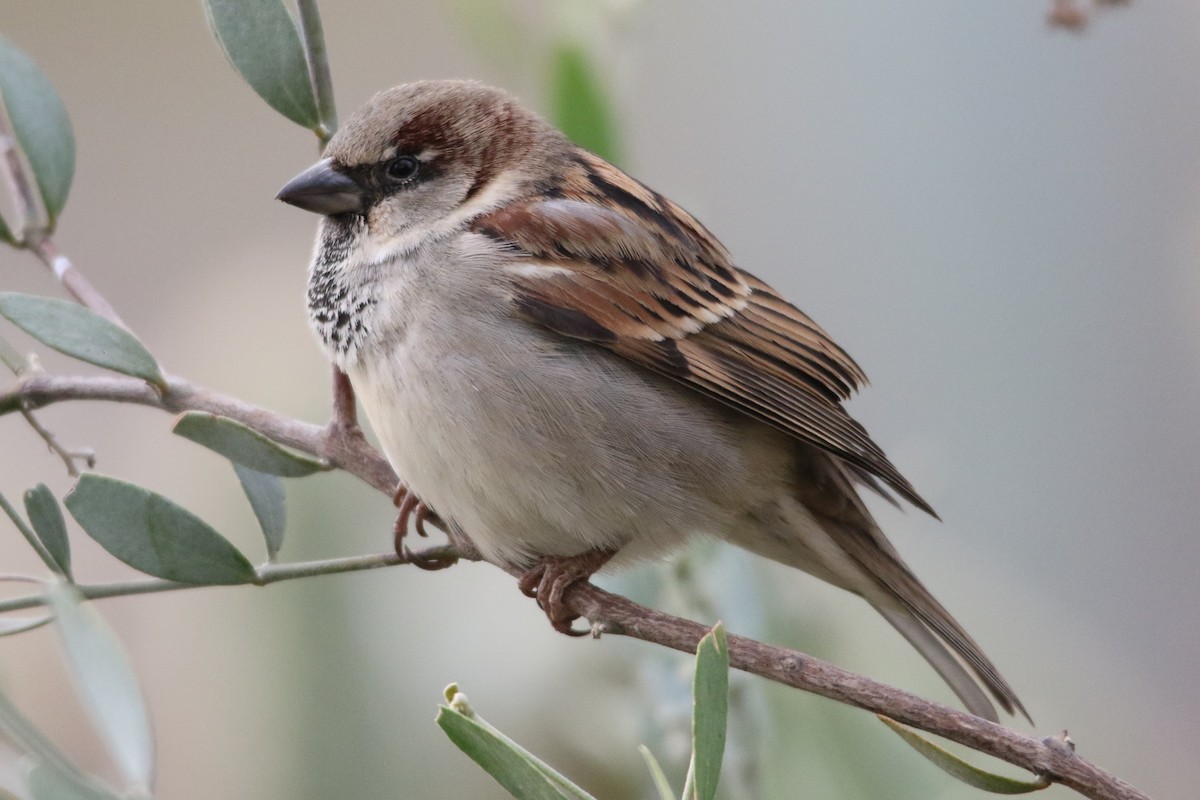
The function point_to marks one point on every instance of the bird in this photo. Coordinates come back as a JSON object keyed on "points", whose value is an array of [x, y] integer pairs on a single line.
{"points": [[570, 371]]}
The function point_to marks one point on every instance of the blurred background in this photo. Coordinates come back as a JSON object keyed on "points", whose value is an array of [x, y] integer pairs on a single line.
{"points": [[997, 219]]}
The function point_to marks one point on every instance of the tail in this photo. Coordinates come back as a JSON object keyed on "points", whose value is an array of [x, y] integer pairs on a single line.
{"points": [[826, 531], [931, 639], [941, 659]]}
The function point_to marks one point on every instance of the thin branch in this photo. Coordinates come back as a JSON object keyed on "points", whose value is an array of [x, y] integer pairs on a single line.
{"points": [[13, 360], [1047, 757], [608, 613], [264, 575], [342, 449], [79, 287], [69, 457], [34, 236]]}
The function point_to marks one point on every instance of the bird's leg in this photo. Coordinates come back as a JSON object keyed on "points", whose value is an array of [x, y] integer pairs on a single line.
{"points": [[345, 407], [408, 505], [553, 575]]}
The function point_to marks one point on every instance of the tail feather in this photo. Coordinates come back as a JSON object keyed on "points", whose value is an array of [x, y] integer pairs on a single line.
{"points": [[921, 618], [942, 660], [829, 533]]}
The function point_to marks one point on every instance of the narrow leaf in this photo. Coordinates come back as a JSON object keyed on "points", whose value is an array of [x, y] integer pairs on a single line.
{"points": [[46, 783], [11, 625], [661, 785], [150, 533], [710, 698], [262, 43], [498, 758], [28, 533], [40, 123], [5, 233], [579, 104], [106, 684], [244, 446], [47, 520], [74, 330], [957, 768], [513, 767], [265, 493]]}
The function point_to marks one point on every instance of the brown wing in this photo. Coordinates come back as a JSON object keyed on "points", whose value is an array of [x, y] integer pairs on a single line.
{"points": [[607, 260]]}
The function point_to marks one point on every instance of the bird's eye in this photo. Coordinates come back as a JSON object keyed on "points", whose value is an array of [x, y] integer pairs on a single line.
{"points": [[403, 169]]}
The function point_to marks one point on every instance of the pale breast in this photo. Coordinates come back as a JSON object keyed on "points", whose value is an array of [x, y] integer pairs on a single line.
{"points": [[533, 444], [536, 446]]}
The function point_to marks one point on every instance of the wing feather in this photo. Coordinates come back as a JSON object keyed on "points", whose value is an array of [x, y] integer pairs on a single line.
{"points": [[606, 259]]}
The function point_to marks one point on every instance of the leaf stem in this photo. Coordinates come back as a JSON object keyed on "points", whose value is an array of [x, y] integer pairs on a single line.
{"points": [[313, 35]]}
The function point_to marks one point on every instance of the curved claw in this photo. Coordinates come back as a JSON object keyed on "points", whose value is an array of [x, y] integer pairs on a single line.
{"points": [[424, 512], [548, 580], [409, 506]]}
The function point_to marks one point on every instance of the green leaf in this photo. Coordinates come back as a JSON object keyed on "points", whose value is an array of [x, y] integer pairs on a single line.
{"points": [[579, 105], [513, 767], [244, 446], [710, 705], [28, 533], [5, 233], [106, 684], [150, 533], [661, 785], [74, 330], [46, 783], [40, 123], [262, 43], [957, 768], [47, 520], [265, 493]]}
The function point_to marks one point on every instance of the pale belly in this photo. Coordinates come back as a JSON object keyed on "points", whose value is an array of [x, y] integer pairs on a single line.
{"points": [[534, 449]]}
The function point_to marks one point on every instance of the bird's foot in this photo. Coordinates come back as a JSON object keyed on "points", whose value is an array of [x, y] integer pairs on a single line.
{"points": [[553, 575], [410, 507]]}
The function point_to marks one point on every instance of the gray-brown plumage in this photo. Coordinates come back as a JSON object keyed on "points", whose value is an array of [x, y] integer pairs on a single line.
{"points": [[569, 368]]}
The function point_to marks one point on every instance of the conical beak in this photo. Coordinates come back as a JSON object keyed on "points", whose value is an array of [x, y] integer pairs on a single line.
{"points": [[321, 189]]}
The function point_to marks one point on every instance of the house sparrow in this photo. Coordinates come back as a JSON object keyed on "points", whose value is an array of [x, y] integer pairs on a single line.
{"points": [[570, 370]]}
